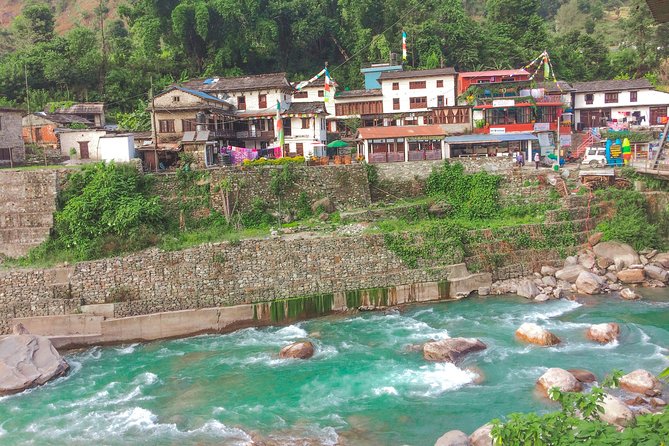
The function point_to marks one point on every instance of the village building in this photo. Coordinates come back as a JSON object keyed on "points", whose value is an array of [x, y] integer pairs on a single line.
{"points": [[357, 108], [96, 145], [469, 78], [305, 129], [12, 149], [392, 144], [619, 104], [42, 128], [94, 112]]}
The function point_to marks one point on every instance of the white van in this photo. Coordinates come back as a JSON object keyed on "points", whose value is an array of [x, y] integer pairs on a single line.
{"points": [[595, 157]]}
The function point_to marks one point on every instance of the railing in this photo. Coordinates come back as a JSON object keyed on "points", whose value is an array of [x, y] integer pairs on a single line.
{"points": [[587, 142], [391, 157], [253, 134], [222, 133], [421, 155]]}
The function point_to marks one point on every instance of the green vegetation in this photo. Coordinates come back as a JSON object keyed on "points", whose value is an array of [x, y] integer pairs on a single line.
{"points": [[296, 308], [274, 162], [630, 223], [578, 423], [169, 42]]}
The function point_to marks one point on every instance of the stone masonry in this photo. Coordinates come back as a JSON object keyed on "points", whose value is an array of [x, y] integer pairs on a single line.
{"points": [[12, 149]]}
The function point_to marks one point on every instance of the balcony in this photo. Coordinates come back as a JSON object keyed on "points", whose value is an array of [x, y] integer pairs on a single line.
{"points": [[222, 133], [256, 134]]}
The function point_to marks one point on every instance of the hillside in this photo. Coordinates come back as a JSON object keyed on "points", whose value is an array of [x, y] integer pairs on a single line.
{"points": [[69, 13]]}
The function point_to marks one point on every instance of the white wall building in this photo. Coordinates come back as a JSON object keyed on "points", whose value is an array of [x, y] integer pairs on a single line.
{"points": [[305, 129], [96, 144], [419, 90], [633, 102]]}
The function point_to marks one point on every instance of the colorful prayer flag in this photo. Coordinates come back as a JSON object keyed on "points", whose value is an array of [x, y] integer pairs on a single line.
{"points": [[404, 46], [326, 96]]}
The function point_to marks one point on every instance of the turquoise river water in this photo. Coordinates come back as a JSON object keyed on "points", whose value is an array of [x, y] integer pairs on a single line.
{"points": [[363, 386]]}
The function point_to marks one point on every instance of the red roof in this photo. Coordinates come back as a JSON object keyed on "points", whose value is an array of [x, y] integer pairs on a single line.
{"points": [[520, 72], [400, 131]]}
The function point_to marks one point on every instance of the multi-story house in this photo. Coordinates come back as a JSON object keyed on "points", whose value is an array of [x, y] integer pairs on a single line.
{"points": [[357, 108], [11, 144], [91, 111], [469, 78], [305, 129], [406, 92], [619, 102]]}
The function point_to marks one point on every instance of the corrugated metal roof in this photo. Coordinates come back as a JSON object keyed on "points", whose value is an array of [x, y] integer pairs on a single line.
{"points": [[86, 108], [358, 93], [520, 72], [400, 131], [387, 75], [479, 139], [241, 83], [659, 9], [316, 108], [612, 85]]}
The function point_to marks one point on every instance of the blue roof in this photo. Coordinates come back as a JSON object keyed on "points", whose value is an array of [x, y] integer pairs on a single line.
{"points": [[200, 94], [479, 139]]}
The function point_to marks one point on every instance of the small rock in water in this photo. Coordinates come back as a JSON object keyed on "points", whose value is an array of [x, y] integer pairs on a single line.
{"points": [[534, 334], [541, 297], [298, 350], [603, 333], [392, 311], [584, 376], [640, 381], [631, 275], [657, 402], [451, 350], [484, 291], [527, 289], [588, 283], [560, 378], [656, 272], [628, 294], [482, 436], [453, 438]]}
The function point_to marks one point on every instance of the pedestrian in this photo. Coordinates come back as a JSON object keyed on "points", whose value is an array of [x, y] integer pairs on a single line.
{"points": [[537, 159], [521, 159]]}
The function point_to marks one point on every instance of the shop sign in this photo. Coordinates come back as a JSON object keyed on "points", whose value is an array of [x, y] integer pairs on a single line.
{"points": [[542, 126], [503, 103], [497, 130]]}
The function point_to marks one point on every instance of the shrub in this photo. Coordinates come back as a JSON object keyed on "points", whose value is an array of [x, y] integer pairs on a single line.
{"points": [[630, 222], [274, 162]]}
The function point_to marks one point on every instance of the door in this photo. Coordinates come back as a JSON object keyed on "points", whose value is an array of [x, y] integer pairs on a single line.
{"points": [[83, 150], [440, 101]]}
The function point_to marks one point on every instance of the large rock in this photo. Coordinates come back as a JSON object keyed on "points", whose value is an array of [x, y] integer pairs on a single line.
{"points": [[656, 273], [584, 376], [641, 381], [453, 438], [548, 271], [451, 350], [595, 238], [569, 273], [323, 205], [586, 260], [617, 251], [603, 333], [588, 283], [631, 276], [534, 334], [482, 436], [26, 361], [528, 289], [559, 378], [629, 294], [615, 411], [661, 258], [298, 350], [549, 281]]}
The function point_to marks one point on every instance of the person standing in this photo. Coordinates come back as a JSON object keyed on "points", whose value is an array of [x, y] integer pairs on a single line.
{"points": [[537, 159]]}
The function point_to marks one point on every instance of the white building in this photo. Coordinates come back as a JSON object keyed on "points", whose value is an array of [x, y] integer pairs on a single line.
{"points": [[418, 91], [305, 129], [625, 102], [96, 144]]}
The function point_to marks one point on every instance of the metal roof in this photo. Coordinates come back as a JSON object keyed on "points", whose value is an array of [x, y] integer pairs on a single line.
{"points": [[387, 75], [480, 139], [242, 83], [612, 85], [358, 93], [401, 131], [520, 72]]}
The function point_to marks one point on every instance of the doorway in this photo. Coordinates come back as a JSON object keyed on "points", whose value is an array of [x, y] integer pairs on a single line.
{"points": [[83, 150]]}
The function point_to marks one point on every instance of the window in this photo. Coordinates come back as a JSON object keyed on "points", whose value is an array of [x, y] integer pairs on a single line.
{"points": [[610, 98], [301, 95], [299, 149], [633, 96], [419, 102], [589, 98], [176, 98], [5, 154], [411, 121], [396, 85], [396, 103], [262, 101], [440, 101], [188, 125], [305, 123], [166, 125], [287, 130], [321, 93], [440, 83], [241, 103], [415, 85]]}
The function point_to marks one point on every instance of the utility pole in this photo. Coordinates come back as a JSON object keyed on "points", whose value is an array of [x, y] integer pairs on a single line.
{"points": [[30, 116], [102, 12], [155, 130]]}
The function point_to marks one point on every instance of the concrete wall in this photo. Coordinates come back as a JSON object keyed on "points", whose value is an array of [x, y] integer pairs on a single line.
{"points": [[27, 204]]}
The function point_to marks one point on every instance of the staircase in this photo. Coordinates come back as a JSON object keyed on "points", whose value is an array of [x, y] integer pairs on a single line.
{"points": [[587, 142]]}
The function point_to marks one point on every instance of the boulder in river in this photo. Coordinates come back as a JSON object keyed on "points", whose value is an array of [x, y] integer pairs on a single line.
{"points": [[569, 273], [482, 436], [661, 258], [641, 381], [631, 276], [534, 334], [588, 283], [527, 289], [27, 361], [619, 253], [451, 350], [298, 350], [559, 378], [656, 272], [603, 333], [629, 294], [615, 411], [453, 438], [584, 376]]}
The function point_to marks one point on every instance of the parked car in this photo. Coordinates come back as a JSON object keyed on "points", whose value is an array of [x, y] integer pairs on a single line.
{"points": [[595, 157]]}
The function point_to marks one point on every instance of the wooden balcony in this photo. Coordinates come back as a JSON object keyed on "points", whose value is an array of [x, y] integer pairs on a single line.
{"points": [[256, 134]]}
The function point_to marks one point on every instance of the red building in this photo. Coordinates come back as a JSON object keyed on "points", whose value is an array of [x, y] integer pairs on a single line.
{"points": [[489, 77]]}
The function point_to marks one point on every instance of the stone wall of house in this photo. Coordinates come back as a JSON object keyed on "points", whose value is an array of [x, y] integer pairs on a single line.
{"points": [[211, 275], [10, 136], [27, 204]]}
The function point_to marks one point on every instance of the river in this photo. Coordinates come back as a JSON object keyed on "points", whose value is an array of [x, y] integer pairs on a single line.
{"points": [[363, 387]]}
